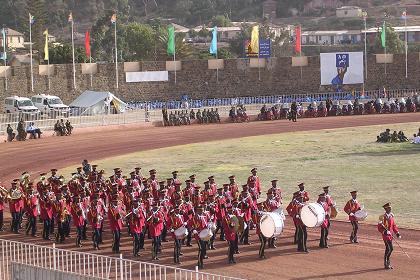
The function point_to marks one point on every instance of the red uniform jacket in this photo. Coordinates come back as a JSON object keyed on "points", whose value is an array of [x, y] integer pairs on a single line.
{"points": [[387, 227], [138, 221], [257, 183], [32, 206], [15, 205], [247, 205], [198, 223], [230, 234], [155, 222], [76, 215], [93, 217], [352, 206], [305, 195], [327, 209], [174, 222], [115, 217], [47, 210]]}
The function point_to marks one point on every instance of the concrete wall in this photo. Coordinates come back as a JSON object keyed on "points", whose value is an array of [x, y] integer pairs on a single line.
{"points": [[27, 272], [196, 80]]}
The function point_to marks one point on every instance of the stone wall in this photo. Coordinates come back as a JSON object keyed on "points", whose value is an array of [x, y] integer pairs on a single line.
{"points": [[195, 80]]}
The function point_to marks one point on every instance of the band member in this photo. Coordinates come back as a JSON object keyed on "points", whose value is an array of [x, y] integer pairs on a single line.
{"points": [[247, 206], [276, 191], [15, 206], [270, 204], [115, 216], [175, 221], [32, 210], [387, 227], [60, 213], [233, 188], [3, 197], [47, 214], [199, 223], [95, 218], [262, 238], [155, 223], [78, 220], [329, 200], [302, 235], [221, 213], [303, 193], [230, 234], [290, 211], [254, 178], [352, 206], [322, 200], [137, 222]]}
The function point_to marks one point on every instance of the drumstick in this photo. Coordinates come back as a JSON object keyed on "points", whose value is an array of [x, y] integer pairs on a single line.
{"points": [[401, 248]]}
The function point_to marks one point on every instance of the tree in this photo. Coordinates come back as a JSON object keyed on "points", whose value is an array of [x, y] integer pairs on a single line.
{"points": [[221, 21], [62, 54], [237, 44], [393, 42], [182, 49], [140, 40]]}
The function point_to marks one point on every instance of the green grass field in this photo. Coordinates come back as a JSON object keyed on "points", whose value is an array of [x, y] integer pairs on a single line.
{"points": [[345, 159]]}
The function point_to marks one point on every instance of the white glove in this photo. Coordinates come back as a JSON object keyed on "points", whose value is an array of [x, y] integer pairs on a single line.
{"points": [[172, 230], [351, 214], [297, 216], [185, 223], [195, 232], [388, 232]]}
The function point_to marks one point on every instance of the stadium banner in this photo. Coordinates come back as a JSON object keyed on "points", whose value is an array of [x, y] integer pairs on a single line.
{"points": [[149, 76], [343, 68], [265, 49]]}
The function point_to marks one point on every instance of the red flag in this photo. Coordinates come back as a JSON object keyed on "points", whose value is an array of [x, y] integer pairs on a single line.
{"points": [[298, 45], [87, 43]]}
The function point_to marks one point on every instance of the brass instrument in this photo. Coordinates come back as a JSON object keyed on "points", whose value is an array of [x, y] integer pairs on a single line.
{"points": [[15, 194], [64, 214]]}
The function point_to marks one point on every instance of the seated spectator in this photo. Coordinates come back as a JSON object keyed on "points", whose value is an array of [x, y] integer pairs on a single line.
{"points": [[33, 130], [57, 128], [394, 137], [401, 137], [416, 139], [69, 128], [10, 134], [385, 136]]}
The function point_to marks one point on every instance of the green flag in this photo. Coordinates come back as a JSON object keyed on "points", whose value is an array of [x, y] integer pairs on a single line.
{"points": [[383, 36], [171, 40]]}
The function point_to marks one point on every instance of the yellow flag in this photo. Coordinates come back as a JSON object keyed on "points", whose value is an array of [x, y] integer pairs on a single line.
{"points": [[255, 39], [46, 52]]}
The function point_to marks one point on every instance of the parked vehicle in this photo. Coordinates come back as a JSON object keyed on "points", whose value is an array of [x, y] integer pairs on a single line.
{"points": [[50, 105], [20, 105]]}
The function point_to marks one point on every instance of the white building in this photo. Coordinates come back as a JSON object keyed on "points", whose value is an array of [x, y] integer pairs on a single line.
{"points": [[14, 39], [348, 12], [332, 37]]}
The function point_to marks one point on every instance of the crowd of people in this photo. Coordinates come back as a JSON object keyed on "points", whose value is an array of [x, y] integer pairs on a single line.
{"points": [[238, 114], [23, 131], [396, 137], [63, 129], [183, 117], [151, 208]]}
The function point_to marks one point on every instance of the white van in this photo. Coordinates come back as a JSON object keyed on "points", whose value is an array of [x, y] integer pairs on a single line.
{"points": [[50, 104], [23, 105]]}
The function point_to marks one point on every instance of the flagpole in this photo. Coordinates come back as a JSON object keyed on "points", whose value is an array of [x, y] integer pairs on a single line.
{"points": [[406, 47], [5, 56], [300, 52], [175, 57], [48, 64], [386, 56], [217, 69], [30, 50], [366, 62], [72, 45], [259, 68], [116, 54], [91, 76]]}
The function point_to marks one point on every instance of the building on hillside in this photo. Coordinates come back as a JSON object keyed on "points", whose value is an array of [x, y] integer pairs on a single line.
{"points": [[269, 9], [321, 4], [341, 37], [180, 29], [21, 60], [348, 12], [14, 39]]}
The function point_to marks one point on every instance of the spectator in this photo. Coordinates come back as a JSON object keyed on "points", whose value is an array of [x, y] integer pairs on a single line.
{"points": [[21, 131], [69, 128], [10, 134], [416, 139], [86, 167]]}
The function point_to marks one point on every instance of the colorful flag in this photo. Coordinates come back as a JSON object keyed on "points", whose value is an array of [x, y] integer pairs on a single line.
{"points": [[4, 54], [114, 19], [171, 40], [70, 17], [362, 94], [213, 45], [383, 35], [255, 39], [46, 51], [87, 43], [298, 43], [404, 15], [31, 19], [385, 93]]}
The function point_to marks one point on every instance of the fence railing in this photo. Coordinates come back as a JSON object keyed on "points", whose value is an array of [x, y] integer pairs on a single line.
{"points": [[102, 267], [150, 111], [288, 98]]}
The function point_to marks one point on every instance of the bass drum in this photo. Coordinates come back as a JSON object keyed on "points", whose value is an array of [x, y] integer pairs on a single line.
{"points": [[312, 215], [205, 234], [181, 233], [271, 224], [280, 212], [212, 226]]}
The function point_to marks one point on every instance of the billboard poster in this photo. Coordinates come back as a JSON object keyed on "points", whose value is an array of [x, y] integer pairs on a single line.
{"points": [[265, 49], [344, 68]]}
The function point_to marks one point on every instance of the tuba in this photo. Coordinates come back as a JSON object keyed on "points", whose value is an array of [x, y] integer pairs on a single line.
{"points": [[15, 194]]}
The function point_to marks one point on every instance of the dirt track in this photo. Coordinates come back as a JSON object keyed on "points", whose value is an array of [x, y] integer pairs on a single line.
{"points": [[341, 261]]}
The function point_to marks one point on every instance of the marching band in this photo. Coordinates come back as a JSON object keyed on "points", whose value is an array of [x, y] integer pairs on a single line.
{"points": [[151, 208]]}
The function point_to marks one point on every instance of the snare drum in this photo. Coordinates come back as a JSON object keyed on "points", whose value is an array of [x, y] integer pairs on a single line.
{"points": [[212, 226], [205, 234], [271, 224], [181, 233], [312, 215], [361, 215]]}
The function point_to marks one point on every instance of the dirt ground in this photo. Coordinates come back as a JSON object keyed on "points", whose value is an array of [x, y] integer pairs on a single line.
{"points": [[341, 261]]}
